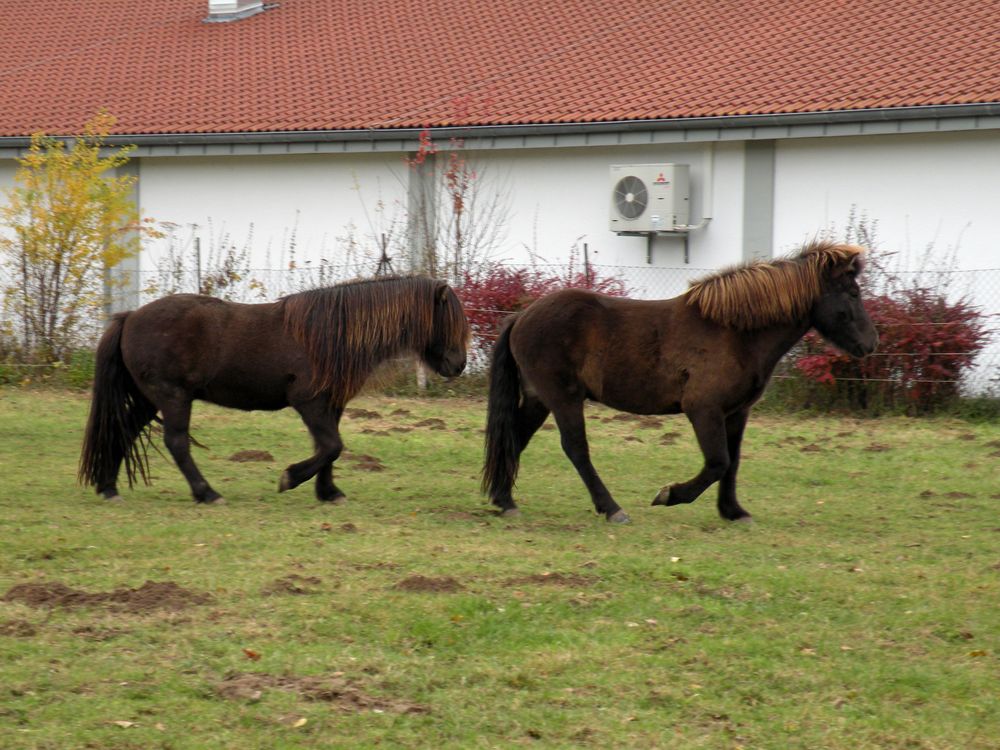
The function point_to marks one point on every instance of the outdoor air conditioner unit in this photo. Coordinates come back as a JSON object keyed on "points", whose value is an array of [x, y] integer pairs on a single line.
{"points": [[650, 197]]}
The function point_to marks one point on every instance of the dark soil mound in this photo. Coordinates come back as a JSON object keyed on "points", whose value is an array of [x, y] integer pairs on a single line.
{"points": [[148, 597]]}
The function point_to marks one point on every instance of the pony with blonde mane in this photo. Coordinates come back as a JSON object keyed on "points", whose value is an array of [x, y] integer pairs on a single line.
{"points": [[312, 351], [708, 353]]}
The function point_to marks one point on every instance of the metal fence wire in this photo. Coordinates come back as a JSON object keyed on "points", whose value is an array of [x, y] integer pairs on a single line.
{"points": [[980, 289]]}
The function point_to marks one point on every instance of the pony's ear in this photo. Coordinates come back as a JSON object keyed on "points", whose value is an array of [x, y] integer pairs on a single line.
{"points": [[858, 264], [441, 292], [852, 266]]}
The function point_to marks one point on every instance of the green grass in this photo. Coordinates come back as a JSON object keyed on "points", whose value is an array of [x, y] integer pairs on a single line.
{"points": [[858, 611]]}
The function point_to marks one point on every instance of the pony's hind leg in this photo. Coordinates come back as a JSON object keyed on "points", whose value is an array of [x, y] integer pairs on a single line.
{"points": [[573, 434], [140, 417], [176, 423], [531, 415], [323, 422]]}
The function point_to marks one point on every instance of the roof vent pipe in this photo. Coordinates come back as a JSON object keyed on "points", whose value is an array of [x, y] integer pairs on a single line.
{"points": [[220, 11]]}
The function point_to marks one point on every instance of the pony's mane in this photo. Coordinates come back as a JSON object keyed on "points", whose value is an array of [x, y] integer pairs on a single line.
{"points": [[350, 328], [763, 293]]}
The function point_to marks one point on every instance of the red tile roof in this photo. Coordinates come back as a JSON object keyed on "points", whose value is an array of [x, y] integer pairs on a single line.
{"points": [[334, 64]]}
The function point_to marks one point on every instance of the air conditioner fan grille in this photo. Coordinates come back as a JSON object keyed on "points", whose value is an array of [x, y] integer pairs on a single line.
{"points": [[631, 197]]}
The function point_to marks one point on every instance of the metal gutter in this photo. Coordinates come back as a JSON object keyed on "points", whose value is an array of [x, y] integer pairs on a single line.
{"points": [[789, 120]]}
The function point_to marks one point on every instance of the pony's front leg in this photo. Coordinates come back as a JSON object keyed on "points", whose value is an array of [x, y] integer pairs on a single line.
{"points": [[323, 423], [326, 490], [729, 507], [710, 428]]}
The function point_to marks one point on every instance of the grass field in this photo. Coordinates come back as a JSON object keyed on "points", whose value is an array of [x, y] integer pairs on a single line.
{"points": [[859, 610]]}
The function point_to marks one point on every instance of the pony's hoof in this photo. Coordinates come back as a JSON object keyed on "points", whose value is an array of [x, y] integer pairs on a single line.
{"points": [[285, 483], [662, 497], [219, 500], [746, 520], [619, 516], [510, 513], [340, 499], [116, 498]]}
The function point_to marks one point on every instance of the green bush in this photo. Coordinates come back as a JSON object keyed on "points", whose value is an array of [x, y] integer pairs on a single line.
{"points": [[78, 372]]}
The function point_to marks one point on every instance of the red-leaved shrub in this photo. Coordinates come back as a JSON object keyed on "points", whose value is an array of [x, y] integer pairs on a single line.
{"points": [[493, 291], [926, 342]]}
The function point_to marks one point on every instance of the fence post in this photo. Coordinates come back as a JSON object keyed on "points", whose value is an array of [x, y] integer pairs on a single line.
{"points": [[197, 264]]}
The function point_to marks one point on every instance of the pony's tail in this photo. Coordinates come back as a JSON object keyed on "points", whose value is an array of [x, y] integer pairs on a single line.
{"points": [[502, 453], [118, 427]]}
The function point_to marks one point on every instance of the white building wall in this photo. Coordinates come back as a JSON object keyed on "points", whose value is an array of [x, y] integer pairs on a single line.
{"points": [[561, 197], [923, 188], [557, 199], [939, 188], [261, 202], [7, 169]]}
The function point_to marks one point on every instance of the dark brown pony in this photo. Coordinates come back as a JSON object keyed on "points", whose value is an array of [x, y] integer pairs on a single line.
{"points": [[312, 351], [707, 353]]}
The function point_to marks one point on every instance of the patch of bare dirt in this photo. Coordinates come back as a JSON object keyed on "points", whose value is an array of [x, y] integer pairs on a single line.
{"points": [[365, 462], [642, 420], [957, 495], [91, 633], [420, 583], [336, 690], [433, 423], [376, 566], [150, 596], [878, 448], [553, 579], [791, 440], [245, 456], [17, 629], [400, 412], [292, 584], [462, 515], [361, 414], [811, 448]]}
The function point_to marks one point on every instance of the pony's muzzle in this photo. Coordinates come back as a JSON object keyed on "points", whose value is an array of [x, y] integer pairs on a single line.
{"points": [[452, 368]]}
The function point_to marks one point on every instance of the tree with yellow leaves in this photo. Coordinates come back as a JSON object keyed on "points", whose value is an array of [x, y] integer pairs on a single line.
{"points": [[68, 219]]}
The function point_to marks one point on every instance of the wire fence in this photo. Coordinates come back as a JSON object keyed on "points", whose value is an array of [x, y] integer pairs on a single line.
{"points": [[979, 288]]}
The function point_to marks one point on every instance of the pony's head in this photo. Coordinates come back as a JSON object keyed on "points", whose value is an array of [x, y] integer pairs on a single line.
{"points": [[445, 352], [818, 286], [837, 312]]}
